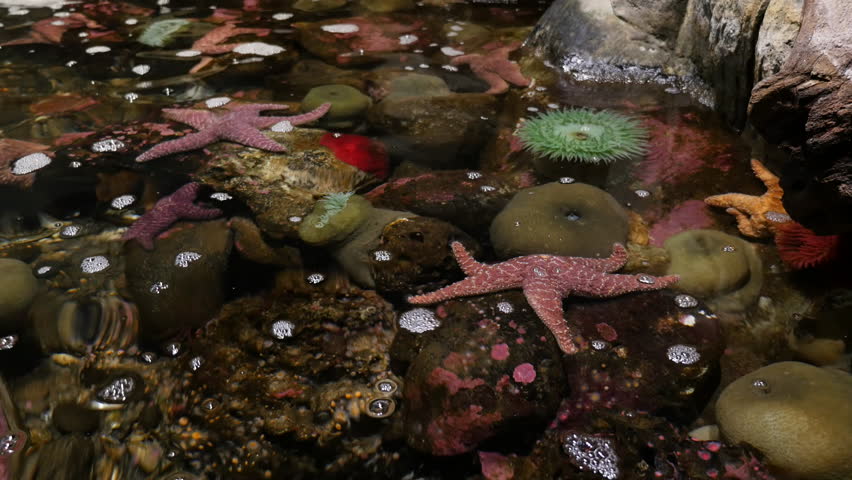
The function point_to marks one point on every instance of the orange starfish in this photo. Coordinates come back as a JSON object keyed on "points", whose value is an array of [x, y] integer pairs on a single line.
{"points": [[756, 216]]}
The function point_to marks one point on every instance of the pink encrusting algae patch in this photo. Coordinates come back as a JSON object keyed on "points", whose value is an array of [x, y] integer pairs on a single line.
{"points": [[496, 466], [500, 351], [441, 376], [524, 373]]}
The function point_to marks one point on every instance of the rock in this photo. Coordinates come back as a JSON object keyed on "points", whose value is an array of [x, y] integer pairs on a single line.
{"points": [[804, 109], [778, 30], [711, 49], [796, 414], [180, 284], [415, 253], [653, 351], [575, 220], [348, 104], [18, 287], [490, 370], [334, 218], [357, 252], [315, 6], [723, 270], [468, 199], [435, 131], [280, 188], [661, 18]]}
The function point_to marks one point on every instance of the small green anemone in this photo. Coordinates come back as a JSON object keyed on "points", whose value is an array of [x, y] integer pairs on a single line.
{"points": [[334, 218], [580, 135]]}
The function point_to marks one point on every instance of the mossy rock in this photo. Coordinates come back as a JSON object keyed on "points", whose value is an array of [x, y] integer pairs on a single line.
{"points": [[18, 287], [387, 6], [318, 5], [575, 220], [722, 269], [347, 104], [799, 416], [417, 85], [331, 221]]}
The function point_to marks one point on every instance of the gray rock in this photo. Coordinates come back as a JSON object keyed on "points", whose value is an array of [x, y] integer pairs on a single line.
{"points": [[775, 39], [661, 18]]}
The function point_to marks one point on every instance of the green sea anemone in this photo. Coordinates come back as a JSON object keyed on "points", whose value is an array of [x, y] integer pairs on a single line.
{"points": [[334, 218], [579, 135]]}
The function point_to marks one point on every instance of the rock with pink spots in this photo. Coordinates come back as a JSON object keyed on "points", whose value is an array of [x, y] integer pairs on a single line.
{"points": [[490, 371]]}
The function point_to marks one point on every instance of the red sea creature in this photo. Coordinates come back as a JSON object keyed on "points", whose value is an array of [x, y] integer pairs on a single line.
{"points": [[801, 248], [62, 103], [210, 43], [366, 154]]}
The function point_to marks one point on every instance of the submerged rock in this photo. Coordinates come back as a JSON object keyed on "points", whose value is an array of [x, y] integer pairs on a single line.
{"points": [[18, 287], [491, 371], [179, 285]]}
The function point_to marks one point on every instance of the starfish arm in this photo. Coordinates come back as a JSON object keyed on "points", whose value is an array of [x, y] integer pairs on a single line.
{"points": [[768, 178], [744, 223], [469, 266], [184, 194], [613, 263], [148, 227], [251, 137], [612, 285], [192, 141], [740, 201], [197, 212], [465, 59], [546, 300], [515, 77], [307, 117], [248, 110], [494, 80], [470, 286], [197, 119]]}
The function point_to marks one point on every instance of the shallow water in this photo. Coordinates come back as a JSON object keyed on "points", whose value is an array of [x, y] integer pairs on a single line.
{"points": [[238, 345]]}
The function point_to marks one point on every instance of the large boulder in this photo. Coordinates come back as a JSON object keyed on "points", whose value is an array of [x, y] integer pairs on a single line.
{"points": [[805, 109]]}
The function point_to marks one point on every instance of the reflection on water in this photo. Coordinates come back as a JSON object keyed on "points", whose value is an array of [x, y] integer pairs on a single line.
{"points": [[216, 221]]}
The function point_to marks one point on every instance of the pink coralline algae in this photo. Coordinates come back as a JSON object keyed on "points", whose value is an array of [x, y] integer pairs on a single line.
{"points": [[545, 279], [524, 373], [500, 352], [689, 215], [168, 210], [451, 381], [677, 151], [496, 466], [456, 434]]}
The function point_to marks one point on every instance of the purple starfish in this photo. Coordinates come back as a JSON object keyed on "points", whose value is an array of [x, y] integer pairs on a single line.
{"points": [[168, 210], [241, 124], [545, 280]]}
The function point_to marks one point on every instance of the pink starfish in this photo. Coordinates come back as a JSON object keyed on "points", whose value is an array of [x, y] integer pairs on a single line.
{"points": [[241, 124], [545, 279], [168, 210], [495, 68]]}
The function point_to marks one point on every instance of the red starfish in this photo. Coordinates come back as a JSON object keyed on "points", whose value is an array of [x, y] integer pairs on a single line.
{"points": [[166, 211], [241, 124], [545, 279], [495, 68]]}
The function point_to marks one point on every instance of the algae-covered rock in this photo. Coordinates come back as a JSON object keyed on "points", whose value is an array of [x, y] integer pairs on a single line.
{"points": [[356, 253], [347, 104], [574, 219], [416, 85], [318, 5], [334, 218], [722, 269], [799, 416], [18, 286], [387, 6]]}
